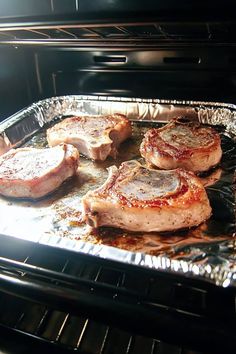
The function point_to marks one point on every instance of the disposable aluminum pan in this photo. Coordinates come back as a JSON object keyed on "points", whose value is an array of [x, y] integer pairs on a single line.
{"points": [[206, 252]]}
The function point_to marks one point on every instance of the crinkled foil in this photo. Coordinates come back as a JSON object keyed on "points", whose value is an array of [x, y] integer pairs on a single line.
{"points": [[207, 252]]}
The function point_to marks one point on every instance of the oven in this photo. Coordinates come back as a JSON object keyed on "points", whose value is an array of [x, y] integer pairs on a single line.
{"points": [[61, 296]]}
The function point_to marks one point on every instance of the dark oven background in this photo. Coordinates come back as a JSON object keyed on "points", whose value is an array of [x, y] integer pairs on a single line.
{"points": [[192, 73], [151, 49]]}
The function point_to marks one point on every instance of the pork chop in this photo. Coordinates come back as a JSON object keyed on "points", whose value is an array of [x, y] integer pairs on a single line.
{"points": [[33, 173], [137, 198], [96, 137], [186, 145]]}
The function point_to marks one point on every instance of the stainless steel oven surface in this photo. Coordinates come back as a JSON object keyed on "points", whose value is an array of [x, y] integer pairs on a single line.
{"points": [[61, 288]]}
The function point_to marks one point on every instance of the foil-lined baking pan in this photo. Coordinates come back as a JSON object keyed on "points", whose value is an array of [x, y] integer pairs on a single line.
{"points": [[207, 252]]}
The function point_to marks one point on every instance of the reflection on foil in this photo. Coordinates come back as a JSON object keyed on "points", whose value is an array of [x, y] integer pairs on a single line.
{"points": [[207, 251], [176, 245]]}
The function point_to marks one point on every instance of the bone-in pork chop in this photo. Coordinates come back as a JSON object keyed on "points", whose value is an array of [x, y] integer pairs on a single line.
{"points": [[96, 137], [33, 173], [186, 145], [136, 198]]}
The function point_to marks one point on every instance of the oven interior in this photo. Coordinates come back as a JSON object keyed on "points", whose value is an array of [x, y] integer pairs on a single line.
{"points": [[57, 300]]}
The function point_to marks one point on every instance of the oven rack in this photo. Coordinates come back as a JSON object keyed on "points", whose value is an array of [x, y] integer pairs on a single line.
{"points": [[113, 294], [37, 327], [129, 33], [78, 22]]}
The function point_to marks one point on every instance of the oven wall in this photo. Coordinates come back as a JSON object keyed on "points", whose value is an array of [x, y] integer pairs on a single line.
{"points": [[15, 90], [28, 74]]}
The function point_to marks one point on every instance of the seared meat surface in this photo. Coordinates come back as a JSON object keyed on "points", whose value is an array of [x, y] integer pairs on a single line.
{"points": [[33, 173], [186, 145], [96, 137], [137, 198]]}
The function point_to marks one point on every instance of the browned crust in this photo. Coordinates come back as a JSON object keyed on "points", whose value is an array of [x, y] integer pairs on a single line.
{"points": [[116, 118], [191, 190], [154, 142], [156, 149]]}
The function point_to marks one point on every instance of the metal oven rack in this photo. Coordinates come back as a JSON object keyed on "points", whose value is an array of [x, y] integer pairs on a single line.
{"points": [[65, 299], [106, 23], [119, 34]]}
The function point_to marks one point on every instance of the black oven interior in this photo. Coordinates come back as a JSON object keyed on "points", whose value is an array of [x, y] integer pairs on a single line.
{"points": [[58, 301]]}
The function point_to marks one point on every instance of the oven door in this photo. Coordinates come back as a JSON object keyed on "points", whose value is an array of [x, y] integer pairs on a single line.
{"points": [[53, 299]]}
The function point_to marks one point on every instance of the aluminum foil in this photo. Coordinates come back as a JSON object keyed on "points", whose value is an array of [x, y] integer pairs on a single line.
{"points": [[206, 252]]}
